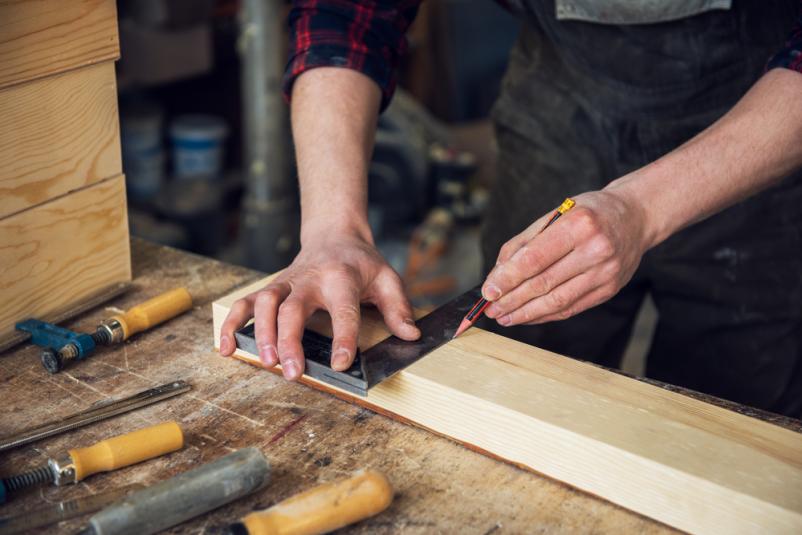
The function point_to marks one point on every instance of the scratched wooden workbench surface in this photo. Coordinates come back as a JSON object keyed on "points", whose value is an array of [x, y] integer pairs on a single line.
{"points": [[309, 437]]}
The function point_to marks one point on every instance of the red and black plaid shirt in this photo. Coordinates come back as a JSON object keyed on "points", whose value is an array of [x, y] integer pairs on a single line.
{"points": [[370, 37]]}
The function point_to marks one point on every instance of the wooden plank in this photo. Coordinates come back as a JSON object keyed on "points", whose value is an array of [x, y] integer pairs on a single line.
{"points": [[689, 464], [54, 255], [43, 37], [65, 136]]}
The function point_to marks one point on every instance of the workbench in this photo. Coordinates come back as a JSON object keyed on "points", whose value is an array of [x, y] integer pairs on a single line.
{"points": [[309, 436]]}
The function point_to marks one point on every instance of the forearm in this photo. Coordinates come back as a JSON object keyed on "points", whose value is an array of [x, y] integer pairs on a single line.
{"points": [[754, 145], [334, 114]]}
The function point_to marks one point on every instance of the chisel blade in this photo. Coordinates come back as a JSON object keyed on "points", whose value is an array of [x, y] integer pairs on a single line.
{"points": [[58, 512]]}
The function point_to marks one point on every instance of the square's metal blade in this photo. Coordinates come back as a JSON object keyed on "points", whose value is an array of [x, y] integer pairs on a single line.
{"points": [[438, 327]]}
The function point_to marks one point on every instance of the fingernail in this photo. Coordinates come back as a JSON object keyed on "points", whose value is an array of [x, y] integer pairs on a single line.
{"points": [[505, 320], [491, 292], [491, 311], [225, 344], [339, 360], [409, 321], [268, 355], [290, 369]]}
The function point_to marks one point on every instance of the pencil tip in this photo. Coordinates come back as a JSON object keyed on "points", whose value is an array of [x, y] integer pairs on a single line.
{"points": [[462, 328]]}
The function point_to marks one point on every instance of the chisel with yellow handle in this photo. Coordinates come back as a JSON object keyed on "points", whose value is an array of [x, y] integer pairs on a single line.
{"points": [[106, 455], [60, 345], [322, 509]]}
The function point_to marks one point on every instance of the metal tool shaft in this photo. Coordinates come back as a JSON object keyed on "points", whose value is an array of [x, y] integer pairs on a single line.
{"points": [[185, 496], [96, 414], [57, 512]]}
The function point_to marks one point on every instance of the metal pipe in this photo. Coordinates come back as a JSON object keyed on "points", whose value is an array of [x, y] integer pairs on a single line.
{"points": [[270, 214]]}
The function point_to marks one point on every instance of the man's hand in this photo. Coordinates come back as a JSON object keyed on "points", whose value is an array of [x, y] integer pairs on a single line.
{"points": [[334, 114], [330, 273], [593, 250], [581, 260]]}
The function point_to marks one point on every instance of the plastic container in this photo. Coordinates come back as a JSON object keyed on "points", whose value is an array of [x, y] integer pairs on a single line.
{"points": [[142, 150], [197, 142]]}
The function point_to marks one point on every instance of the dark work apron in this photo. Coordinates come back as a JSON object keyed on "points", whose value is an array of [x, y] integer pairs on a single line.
{"points": [[592, 95]]}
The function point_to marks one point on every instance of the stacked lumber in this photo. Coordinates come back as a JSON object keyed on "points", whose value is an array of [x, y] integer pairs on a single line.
{"points": [[63, 220], [689, 464]]}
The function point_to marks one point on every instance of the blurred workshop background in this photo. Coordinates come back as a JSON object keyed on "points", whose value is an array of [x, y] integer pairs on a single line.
{"points": [[207, 149]]}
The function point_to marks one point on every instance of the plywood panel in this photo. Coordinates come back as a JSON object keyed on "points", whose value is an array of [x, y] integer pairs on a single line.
{"points": [[65, 136], [43, 37], [61, 252], [686, 463]]}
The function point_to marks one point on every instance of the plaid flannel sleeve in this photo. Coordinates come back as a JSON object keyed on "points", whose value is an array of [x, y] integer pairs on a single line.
{"points": [[367, 36], [790, 56]]}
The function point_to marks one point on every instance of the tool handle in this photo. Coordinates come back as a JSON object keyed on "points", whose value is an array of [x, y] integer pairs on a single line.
{"points": [[127, 449], [154, 311], [324, 508]]}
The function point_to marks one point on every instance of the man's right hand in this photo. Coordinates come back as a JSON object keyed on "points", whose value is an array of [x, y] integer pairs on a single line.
{"points": [[332, 273]]}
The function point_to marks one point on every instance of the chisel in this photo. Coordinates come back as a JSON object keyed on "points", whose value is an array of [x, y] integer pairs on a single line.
{"points": [[322, 509], [106, 455]]}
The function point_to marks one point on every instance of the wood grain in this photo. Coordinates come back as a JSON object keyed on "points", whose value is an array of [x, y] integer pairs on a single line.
{"points": [[65, 136], [43, 37], [689, 464], [58, 253]]}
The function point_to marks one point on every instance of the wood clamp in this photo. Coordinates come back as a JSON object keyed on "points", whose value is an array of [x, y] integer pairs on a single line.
{"points": [[61, 345]]}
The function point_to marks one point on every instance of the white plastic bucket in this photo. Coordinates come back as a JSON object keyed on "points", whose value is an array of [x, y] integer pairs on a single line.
{"points": [[197, 145]]}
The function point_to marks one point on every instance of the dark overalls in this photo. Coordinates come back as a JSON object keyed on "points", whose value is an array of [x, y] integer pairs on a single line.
{"points": [[583, 103]]}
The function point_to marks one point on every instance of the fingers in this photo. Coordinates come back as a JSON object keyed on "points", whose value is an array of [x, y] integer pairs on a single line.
{"points": [[541, 284], [241, 311], [566, 300], [265, 312], [392, 302], [342, 302], [532, 258], [590, 300], [292, 316]]}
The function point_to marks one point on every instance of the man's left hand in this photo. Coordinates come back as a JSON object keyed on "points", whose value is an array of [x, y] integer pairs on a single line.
{"points": [[580, 261]]}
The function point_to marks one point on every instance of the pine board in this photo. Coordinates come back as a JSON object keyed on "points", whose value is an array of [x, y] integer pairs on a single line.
{"points": [[689, 464], [56, 254], [65, 136], [44, 37]]}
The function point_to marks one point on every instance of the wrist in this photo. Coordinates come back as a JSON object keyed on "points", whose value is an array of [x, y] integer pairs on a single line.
{"points": [[637, 193], [325, 228]]}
